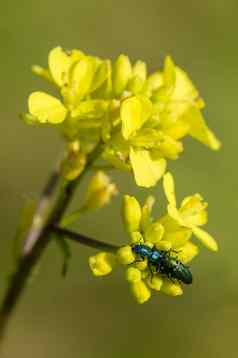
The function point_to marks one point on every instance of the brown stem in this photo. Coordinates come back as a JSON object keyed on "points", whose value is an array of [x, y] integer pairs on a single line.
{"points": [[39, 236]]}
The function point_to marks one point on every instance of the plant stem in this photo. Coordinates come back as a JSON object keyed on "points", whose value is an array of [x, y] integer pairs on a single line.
{"points": [[39, 235], [84, 240]]}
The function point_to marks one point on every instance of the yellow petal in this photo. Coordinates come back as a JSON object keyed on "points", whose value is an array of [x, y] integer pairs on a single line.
{"points": [[136, 237], [100, 191], [46, 108], [153, 83], [147, 171], [187, 252], [171, 288], [131, 213], [80, 81], [102, 263], [121, 74], [133, 274], [163, 245], [138, 78], [140, 70], [176, 130], [90, 109], [146, 212], [177, 238], [193, 210], [155, 282], [170, 148], [175, 214], [184, 90], [169, 72], [142, 266], [103, 90], [169, 188], [100, 76], [125, 255], [205, 238], [60, 63], [134, 112], [72, 166], [198, 128], [154, 233], [140, 291]]}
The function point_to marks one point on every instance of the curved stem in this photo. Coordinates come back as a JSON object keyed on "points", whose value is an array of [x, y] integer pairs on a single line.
{"points": [[84, 240], [39, 235]]}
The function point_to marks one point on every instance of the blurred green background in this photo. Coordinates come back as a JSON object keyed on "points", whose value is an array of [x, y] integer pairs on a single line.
{"points": [[82, 316]]}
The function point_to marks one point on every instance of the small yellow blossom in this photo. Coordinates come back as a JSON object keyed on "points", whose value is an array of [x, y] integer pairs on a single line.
{"points": [[140, 291], [171, 288], [125, 255], [131, 213], [191, 214], [155, 282], [170, 233], [122, 71], [46, 108], [102, 263], [74, 162], [99, 191], [133, 274]]}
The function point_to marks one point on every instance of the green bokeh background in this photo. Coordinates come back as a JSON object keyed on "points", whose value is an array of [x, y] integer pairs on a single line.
{"points": [[81, 316]]}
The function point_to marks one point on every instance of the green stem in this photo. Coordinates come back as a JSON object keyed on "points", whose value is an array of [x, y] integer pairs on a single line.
{"points": [[84, 240], [39, 235]]}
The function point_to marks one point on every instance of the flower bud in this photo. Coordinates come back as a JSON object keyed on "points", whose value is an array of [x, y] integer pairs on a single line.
{"points": [[155, 282], [102, 263], [125, 255], [171, 288], [131, 213], [136, 237], [140, 291], [121, 74], [133, 274], [73, 165], [99, 191]]}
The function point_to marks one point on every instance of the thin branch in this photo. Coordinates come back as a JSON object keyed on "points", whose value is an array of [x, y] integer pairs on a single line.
{"points": [[41, 213], [39, 236], [84, 240]]}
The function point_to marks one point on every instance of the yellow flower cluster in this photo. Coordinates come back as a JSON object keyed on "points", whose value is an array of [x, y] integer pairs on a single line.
{"points": [[141, 118], [171, 232]]}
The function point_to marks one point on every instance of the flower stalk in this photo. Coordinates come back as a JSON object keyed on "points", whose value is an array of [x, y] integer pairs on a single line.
{"points": [[84, 240], [40, 235]]}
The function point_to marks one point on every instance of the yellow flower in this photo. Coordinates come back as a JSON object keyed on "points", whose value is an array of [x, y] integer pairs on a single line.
{"points": [[171, 232], [191, 214], [140, 117], [131, 213], [76, 75], [99, 192], [102, 263], [46, 108], [179, 107]]}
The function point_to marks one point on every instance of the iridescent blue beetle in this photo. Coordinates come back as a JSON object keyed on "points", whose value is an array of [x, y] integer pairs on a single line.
{"points": [[162, 262]]}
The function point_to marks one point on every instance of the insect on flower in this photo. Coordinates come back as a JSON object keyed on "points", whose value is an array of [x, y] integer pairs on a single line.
{"points": [[162, 262]]}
